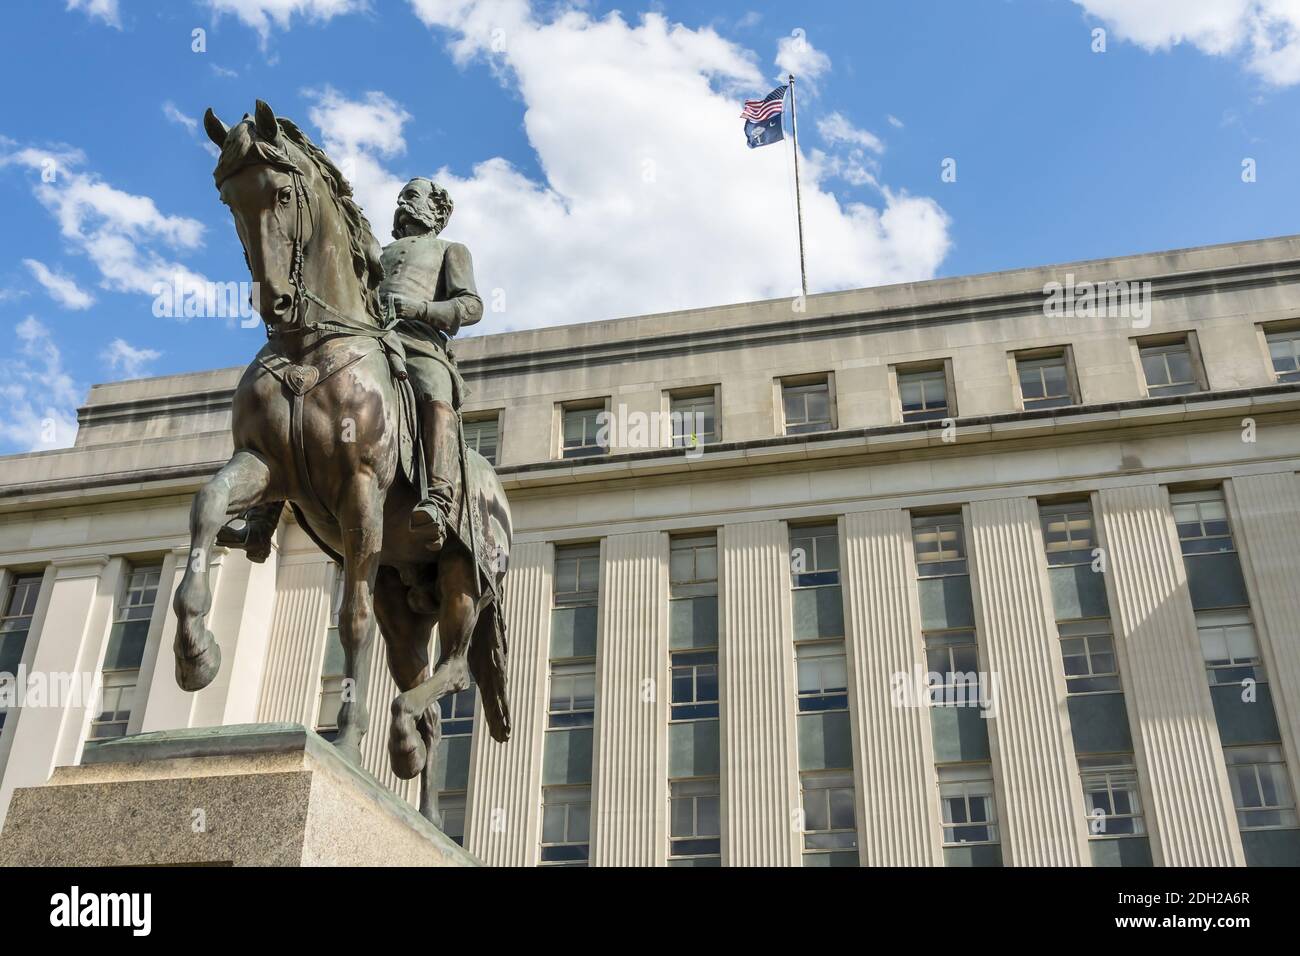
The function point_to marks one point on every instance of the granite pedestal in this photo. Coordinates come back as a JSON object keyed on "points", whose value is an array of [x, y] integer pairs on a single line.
{"points": [[245, 795]]}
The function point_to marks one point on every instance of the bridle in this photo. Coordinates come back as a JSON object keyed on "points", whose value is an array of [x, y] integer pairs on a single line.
{"points": [[337, 322]]}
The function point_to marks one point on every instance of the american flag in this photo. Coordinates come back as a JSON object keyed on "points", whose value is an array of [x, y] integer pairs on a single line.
{"points": [[756, 111]]}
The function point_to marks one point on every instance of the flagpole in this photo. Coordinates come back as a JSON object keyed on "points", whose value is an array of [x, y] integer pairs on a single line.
{"points": [[798, 197]]}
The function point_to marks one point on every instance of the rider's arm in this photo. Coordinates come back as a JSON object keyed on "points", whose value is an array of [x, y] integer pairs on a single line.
{"points": [[462, 305]]}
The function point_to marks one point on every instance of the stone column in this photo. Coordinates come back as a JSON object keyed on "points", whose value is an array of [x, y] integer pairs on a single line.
{"points": [[291, 685], [503, 811], [243, 597], [1266, 511], [71, 638], [898, 809], [1041, 809], [760, 778], [630, 761], [1192, 819]]}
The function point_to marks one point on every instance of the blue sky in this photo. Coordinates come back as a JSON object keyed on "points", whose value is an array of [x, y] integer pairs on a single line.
{"points": [[597, 158]]}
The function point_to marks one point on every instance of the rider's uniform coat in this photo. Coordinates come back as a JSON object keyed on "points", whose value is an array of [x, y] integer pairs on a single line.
{"points": [[425, 268]]}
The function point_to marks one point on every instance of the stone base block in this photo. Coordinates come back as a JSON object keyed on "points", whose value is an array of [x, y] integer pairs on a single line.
{"points": [[246, 795]]}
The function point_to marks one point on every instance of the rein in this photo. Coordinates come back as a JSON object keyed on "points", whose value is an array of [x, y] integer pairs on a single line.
{"points": [[304, 297]]}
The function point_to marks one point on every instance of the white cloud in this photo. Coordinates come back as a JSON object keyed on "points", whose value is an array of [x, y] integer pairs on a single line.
{"points": [[131, 361], [261, 15], [39, 398], [894, 121], [62, 288], [796, 54], [105, 10], [129, 240], [176, 116], [191, 126], [359, 135], [835, 128], [1265, 33], [651, 200]]}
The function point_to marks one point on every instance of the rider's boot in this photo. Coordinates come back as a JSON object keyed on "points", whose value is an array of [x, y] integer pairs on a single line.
{"points": [[441, 439], [254, 538]]}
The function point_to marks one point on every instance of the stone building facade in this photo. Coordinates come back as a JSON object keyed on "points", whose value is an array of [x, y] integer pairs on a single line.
{"points": [[989, 570]]}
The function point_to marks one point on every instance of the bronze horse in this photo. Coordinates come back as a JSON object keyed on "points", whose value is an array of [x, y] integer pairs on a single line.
{"points": [[319, 421]]}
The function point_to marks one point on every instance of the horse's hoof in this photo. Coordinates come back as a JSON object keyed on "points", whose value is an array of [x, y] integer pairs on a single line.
{"points": [[197, 672], [406, 751]]}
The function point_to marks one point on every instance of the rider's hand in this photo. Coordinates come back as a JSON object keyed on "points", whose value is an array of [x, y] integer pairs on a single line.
{"points": [[404, 308]]}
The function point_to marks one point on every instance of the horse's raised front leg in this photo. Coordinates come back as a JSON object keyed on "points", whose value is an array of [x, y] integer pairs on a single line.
{"points": [[361, 521], [240, 484]]}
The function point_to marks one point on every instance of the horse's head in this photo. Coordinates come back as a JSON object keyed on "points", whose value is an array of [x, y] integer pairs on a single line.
{"points": [[284, 193]]}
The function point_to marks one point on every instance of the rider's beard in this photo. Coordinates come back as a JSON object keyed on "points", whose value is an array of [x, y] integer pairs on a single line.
{"points": [[409, 220]]}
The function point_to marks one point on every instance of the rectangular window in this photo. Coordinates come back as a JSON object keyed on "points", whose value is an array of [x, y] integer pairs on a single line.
{"points": [[126, 645], [573, 695], [828, 812], [1202, 520], [939, 542], [1169, 368], [584, 432], [1044, 381], [695, 685], [966, 798], [923, 395], [483, 434], [693, 566], [807, 406], [332, 667], [16, 621], [954, 657], [1088, 652], [695, 818], [1110, 796], [694, 416], [815, 555], [823, 676], [1229, 647], [577, 575], [1068, 533], [1260, 789], [566, 825], [1284, 350], [457, 712]]}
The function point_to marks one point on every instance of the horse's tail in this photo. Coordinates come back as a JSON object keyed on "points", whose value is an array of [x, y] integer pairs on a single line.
{"points": [[487, 663]]}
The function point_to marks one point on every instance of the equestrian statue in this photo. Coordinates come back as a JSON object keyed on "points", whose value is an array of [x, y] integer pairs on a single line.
{"points": [[350, 414]]}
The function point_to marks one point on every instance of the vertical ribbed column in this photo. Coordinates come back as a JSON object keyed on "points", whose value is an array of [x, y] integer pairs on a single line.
{"points": [[760, 784], [1267, 509], [629, 794], [1042, 810], [50, 726], [898, 812], [1192, 813], [502, 818], [291, 686]]}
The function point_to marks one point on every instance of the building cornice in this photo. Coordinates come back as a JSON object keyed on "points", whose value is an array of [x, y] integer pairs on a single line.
{"points": [[628, 342], [826, 448], [812, 325]]}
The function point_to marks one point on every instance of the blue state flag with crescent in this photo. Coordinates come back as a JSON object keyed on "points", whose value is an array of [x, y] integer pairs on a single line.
{"points": [[763, 119]]}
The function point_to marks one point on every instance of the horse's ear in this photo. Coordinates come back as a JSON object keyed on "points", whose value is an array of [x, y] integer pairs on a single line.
{"points": [[267, 127], [215, 129]]}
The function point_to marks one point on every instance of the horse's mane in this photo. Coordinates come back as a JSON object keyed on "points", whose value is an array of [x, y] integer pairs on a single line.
{"points": [[244, 147]]}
